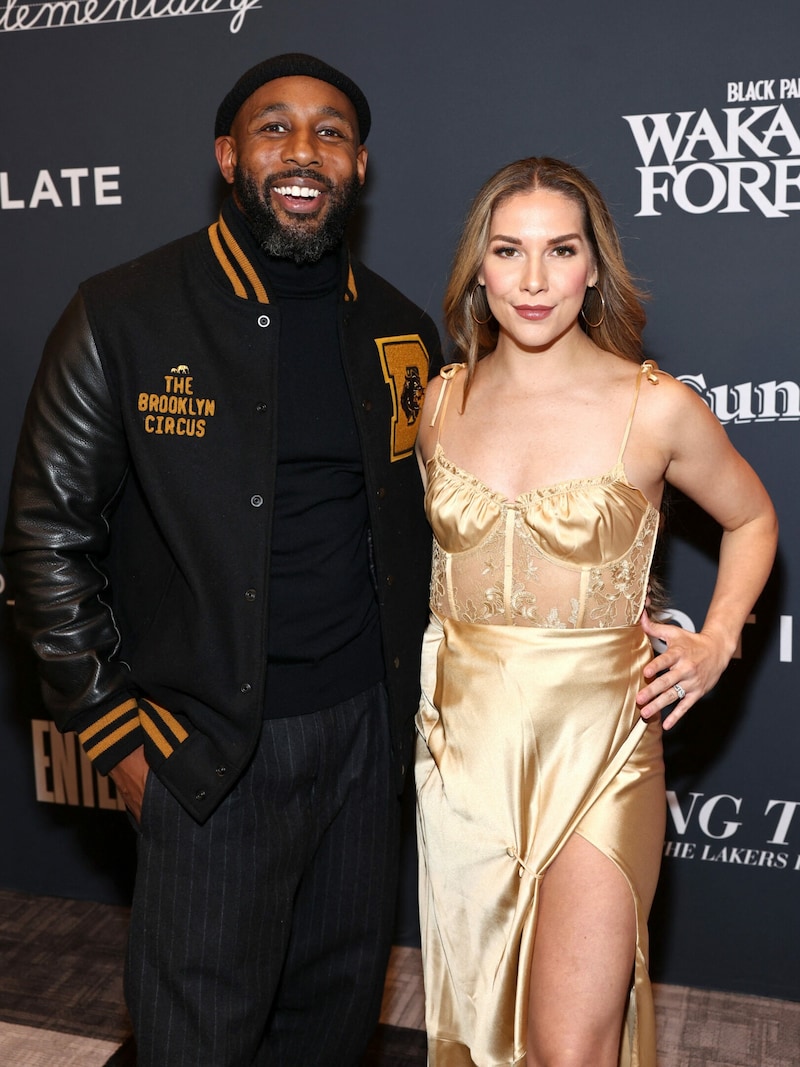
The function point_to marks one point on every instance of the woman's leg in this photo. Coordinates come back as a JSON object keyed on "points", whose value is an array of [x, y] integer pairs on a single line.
{"points": [[582, 961]]}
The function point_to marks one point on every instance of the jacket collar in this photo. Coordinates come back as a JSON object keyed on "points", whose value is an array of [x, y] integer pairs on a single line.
{"points": [[237, 254]]}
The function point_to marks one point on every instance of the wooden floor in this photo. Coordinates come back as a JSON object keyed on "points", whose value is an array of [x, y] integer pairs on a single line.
{"points": [[61, 999]]}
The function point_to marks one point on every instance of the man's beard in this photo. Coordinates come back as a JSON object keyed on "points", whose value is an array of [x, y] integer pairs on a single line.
{"points": [[303, 238]]}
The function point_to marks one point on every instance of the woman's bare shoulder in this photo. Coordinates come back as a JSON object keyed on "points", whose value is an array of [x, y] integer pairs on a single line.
{"points": [[677, 416], [435, 388]]}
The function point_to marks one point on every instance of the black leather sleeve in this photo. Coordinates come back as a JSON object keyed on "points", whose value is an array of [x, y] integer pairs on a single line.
{"points": [[71, 463]]}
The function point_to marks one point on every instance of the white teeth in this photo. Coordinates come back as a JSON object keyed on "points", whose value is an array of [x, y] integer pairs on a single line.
{"points": [[297, 190]]}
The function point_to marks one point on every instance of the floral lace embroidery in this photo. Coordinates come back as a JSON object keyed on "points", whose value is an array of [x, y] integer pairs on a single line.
{"points": [[533, 588], [616, 592], [541, 592]]}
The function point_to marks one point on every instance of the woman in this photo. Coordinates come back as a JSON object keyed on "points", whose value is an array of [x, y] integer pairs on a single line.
{"points": [[539, 769]]}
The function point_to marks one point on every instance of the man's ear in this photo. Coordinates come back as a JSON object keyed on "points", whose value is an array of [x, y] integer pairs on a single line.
{"points": [[361, 163], [225, 151]]}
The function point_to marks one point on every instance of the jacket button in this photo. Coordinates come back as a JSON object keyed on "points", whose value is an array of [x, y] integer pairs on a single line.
{"points": [[245, 687], [256, 500], [367, 405], [250, 594], [380, 493], [200, 794], [396, 662], [390, 579], [221, 772], [261, 408]]}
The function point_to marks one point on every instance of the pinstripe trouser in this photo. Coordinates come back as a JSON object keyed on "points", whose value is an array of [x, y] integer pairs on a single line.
{"points": [[262, 937]]}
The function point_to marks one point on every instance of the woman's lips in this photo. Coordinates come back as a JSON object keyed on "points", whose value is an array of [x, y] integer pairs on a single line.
{"points": [[532, 313]]}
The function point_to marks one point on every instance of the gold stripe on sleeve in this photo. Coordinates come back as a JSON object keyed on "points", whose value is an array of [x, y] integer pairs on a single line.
{"points": [[107, 720], [155, 735], [170, 720], [111, 739]]}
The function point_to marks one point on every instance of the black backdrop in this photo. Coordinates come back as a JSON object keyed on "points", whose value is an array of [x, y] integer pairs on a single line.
{"points": [[688, 117]]}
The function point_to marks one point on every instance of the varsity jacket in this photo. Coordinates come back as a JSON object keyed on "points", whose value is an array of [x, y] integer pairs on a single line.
{"points": [[138, 535]]}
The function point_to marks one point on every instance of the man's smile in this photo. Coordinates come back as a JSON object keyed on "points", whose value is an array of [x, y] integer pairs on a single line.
{"points": [[296, 190]]}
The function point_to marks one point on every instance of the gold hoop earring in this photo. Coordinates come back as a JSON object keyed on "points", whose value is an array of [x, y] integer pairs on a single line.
{"points": [[600, 321], [478, 322]]}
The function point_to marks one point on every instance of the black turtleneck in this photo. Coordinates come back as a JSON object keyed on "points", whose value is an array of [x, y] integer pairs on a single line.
{"points": [[324, 636]]}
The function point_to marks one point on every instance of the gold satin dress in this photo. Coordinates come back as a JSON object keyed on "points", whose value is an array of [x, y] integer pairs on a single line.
{"points": [[528, 731]]}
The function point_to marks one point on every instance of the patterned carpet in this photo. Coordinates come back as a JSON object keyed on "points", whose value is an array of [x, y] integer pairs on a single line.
{"points": [[61, 1001]]}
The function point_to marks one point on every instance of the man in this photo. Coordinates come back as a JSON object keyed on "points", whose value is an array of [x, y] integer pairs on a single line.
{"points": [[218, 551]]}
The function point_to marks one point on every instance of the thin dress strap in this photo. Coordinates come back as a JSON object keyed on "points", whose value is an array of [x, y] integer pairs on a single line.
{"points": [[648, 369], [446, 374]]}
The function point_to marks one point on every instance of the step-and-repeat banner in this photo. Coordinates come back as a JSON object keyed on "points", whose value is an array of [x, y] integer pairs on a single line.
{"points": [[688, 117]]}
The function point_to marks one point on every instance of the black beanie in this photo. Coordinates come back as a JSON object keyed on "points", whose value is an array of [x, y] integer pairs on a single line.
{"points": [[291, 65]]}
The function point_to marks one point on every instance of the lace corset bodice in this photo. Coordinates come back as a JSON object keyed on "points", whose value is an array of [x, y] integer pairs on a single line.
{"points": [[572, 555]]}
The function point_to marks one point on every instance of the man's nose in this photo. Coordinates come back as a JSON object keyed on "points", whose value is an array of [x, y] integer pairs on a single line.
{"points": [[300, 148]]}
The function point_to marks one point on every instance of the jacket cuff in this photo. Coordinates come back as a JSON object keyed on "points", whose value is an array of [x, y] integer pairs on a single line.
{"points": [[163, 732], [113, 736]]}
